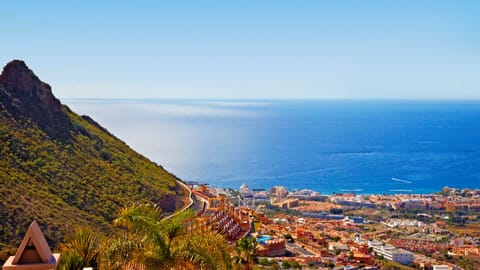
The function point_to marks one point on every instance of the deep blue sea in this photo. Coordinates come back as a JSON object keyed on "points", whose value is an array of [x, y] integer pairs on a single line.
{"points": [[328, 146]]}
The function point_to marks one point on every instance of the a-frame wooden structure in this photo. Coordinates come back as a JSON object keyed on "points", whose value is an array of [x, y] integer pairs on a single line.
{"points": [[33, 253]]}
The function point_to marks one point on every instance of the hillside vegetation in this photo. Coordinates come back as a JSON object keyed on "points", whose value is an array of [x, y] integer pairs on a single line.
{"points": [[65, 170]]}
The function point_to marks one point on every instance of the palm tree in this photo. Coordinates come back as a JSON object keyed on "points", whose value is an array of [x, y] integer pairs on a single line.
{"points": [[154, 237], [83, 250], [147, 242], [245, 250], [120, 253], [207, 250], [167, 243]]}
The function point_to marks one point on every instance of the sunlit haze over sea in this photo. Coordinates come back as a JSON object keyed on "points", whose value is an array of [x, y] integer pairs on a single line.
{"points": [[328, 146]]}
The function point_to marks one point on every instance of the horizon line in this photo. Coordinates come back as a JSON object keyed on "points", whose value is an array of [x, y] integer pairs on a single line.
{"points": [[270, 99]]}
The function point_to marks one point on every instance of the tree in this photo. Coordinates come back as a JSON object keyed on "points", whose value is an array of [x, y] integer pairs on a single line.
{"points": [[168, 243], [142, 222], [264, 261], [286, 265], [147, 242], [289, 237], [206, 250], [83, 250], [121, 252], [336, 238], [296, 265], [245, 251]]}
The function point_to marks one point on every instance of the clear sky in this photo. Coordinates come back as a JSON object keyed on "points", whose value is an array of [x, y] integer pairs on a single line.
{"points": [[248, 49]]}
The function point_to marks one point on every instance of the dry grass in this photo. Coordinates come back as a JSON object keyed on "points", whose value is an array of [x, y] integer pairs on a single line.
{"points": [[307, 206], [472, 230]]}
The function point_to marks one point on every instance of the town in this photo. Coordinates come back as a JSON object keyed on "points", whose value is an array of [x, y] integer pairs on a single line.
{"points": [[305, 229]]}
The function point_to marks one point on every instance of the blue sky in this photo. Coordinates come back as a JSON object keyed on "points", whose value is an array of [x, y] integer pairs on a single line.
{"points": [[248, 49]]}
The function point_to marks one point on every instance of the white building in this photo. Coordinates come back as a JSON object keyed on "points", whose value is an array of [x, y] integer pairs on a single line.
{"points": [[441, 267], [260, 197], [245, 191], [391, 253]]}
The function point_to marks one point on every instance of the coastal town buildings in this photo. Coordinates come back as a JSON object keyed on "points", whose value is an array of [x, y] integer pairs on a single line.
{"points": [[352, 200], [329, 234], [271, 246], [277, 194], [391, 253]]}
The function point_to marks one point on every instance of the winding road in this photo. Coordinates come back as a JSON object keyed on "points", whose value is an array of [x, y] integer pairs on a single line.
{"points": [[188, 205]]}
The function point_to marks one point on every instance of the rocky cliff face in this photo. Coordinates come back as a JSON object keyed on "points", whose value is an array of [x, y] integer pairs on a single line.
{"points": [[24, 95]]}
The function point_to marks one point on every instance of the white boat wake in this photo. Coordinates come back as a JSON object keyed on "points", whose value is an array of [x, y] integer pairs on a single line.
{"points": [[401, 190], [401, 180]]}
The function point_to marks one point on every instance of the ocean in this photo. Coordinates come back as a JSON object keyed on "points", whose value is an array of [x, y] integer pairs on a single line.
{"points": [[328, 146]]}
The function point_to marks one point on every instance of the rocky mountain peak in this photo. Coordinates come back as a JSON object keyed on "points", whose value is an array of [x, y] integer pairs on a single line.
{"points": [[17, 77], [25, 96]]}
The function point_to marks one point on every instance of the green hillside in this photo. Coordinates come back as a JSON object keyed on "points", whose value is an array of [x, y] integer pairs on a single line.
{"points": [[65, 170]]}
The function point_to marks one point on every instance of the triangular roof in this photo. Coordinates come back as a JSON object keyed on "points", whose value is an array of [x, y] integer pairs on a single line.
{"points": [[33, 252], [35, 237]]}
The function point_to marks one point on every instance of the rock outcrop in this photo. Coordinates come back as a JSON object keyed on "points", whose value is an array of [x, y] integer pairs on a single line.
{"points": [[23, 94]]}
